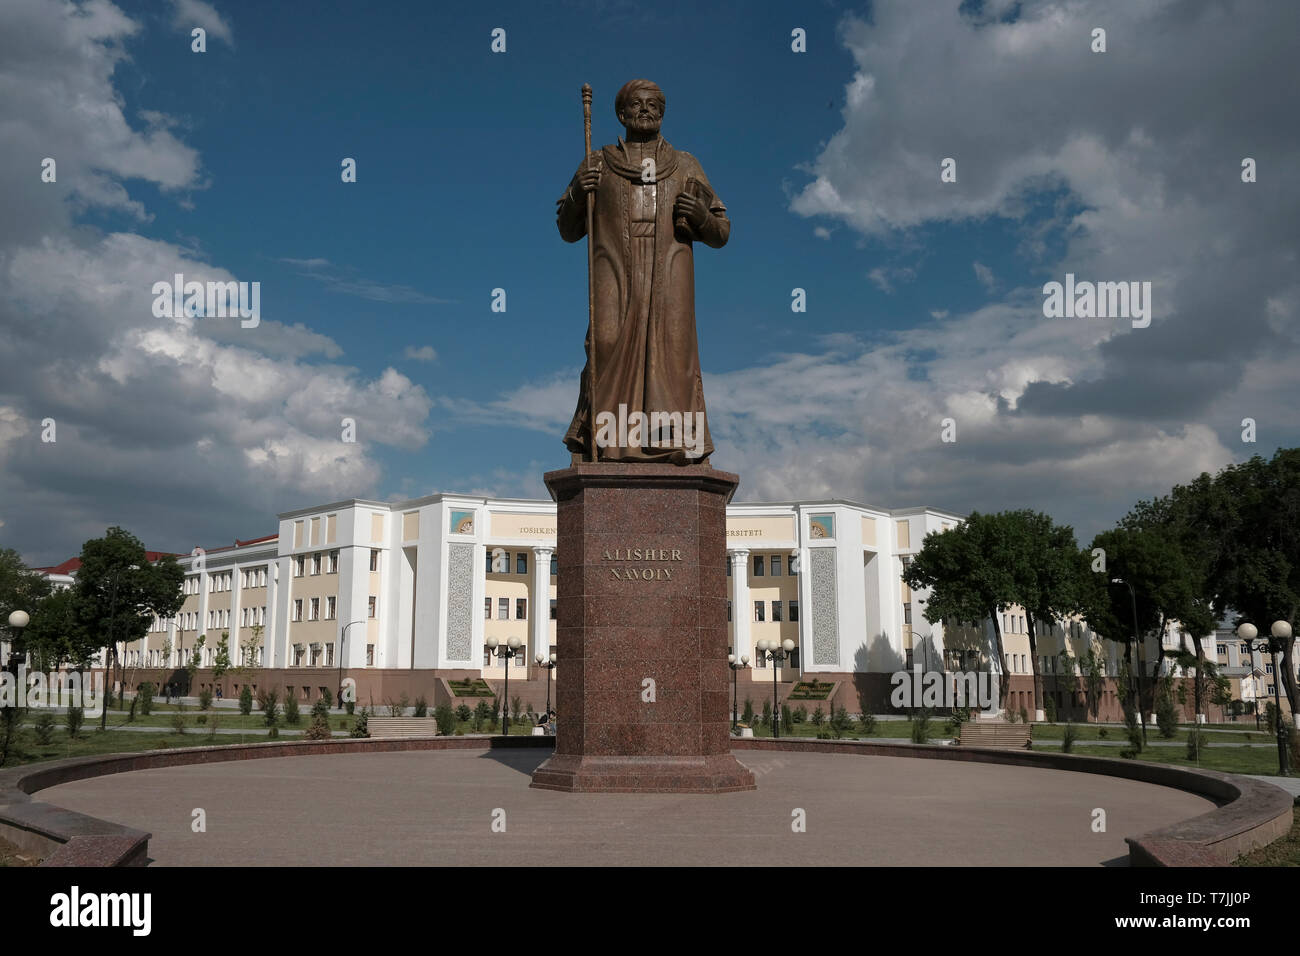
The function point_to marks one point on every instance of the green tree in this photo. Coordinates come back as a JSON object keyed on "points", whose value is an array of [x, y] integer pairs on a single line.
{"points": [[221, 659], [1166, 711], [445, 719], [119, 591], [196, 657], [967, 570], [246, 699]]}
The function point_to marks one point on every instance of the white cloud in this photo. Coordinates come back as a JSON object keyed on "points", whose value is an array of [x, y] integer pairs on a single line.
{"points": [[423, 353], [189, 14], [985, 276]]}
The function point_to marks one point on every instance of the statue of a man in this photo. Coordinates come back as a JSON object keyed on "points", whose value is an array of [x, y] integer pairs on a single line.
{"points": [[641, 388]]}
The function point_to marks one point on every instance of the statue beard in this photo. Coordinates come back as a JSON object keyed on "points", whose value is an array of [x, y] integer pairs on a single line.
{"points": [[643, 125]]}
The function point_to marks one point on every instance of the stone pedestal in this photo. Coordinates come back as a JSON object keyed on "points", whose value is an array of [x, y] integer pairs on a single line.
{"points": [[642, 683]]}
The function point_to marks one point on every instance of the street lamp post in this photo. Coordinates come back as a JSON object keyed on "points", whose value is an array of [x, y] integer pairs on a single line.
{"points": [[736, 667], [548, 666], [1248, 633], [775, 651], [1137, 653], [17, 621], [511, 649], [343, 637], [1281, 630]]}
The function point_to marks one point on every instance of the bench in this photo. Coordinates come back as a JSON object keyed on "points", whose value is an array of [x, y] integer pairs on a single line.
{"points": [[402, 726], [1003, 736]]}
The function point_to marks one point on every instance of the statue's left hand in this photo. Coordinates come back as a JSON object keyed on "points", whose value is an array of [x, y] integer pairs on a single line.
{"points": [[693, 208]]}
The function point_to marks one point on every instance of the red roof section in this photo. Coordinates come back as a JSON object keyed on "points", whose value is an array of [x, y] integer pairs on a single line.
{"points": [[72, 565]]}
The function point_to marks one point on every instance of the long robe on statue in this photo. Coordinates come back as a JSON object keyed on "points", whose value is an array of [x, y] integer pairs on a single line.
{"points": [[642, 338]]}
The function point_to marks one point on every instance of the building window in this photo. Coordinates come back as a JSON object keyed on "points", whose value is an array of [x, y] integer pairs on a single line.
{"points": [[330, 607], [1268, 668], [776, 610], [503, 609], [794, 610], [521, 609], [555, 564], [521, 563], [374, 559], [298, 565], [728, 612], [315, 563], [554, 606], [907, 612], [370, 655], [373, 608], [728, 565], [487, 657], [487, 609], [329, 655], [315, 609], [261, 578], [907, 660], [758, 565], [760, 660], [488, 563], [758, 610], [332, 567], [1223, 650], [776, 565]]}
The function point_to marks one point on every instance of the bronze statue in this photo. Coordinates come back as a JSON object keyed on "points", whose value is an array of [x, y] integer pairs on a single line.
{"points": [[641, 397]]}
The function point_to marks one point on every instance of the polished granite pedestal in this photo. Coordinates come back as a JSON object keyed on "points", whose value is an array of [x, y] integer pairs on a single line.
{"points": [[642, 682]]}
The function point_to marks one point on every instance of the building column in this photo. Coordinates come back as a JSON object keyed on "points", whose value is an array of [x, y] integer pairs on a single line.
{"points": [[740, 606], [541, 599]]}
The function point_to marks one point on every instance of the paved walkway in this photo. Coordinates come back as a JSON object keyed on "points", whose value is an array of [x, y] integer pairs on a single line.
{"points": [[438, 808]]}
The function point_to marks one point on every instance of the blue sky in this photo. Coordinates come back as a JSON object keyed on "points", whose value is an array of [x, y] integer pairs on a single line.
{"points": [[924, 299]]}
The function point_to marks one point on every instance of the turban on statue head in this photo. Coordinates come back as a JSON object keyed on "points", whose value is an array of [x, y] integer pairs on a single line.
{"points": [[636, 86]]}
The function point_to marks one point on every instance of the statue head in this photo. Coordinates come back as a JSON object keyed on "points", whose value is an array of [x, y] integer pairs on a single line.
{"points": [[640, 106]]}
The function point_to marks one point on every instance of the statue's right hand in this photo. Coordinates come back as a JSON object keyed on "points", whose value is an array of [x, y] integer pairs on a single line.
{"points": [[586, 182]]}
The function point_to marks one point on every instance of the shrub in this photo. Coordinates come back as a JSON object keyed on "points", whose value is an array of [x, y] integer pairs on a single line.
{"points": [[205, 699], [145, 697], [44, 727], [818, 718], [867, 724], [326, 696], [516, 708], [362, 726], [320, 726], [291, 712], [246, 700], [800, 714], [1128, 753], [1132, 728], [130, 714], [747, 715], [350, 706], [464, 714], [421, 707], [1068, 739], [494, 713], [1102, 733], [212, 727], [481, 713], [75, 718], [1012, 716], [201, 719], [1024, 716], [960, 715], [178, 721], [787, 719], [321, 708], [767, 714], [446, 720], [274, 733], [270, 701], [921, 726], [1197, 740], [1166, 714], [840, 722], [1049, 707]]}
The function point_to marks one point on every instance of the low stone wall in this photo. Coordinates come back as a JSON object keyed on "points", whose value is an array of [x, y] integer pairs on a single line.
{"points": [[1252, 813]]}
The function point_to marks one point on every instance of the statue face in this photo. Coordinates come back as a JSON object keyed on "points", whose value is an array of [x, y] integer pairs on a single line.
{"points": [[642, 112]]}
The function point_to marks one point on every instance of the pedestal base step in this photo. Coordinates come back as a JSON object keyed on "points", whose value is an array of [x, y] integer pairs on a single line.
{"points": [[722, 773]]}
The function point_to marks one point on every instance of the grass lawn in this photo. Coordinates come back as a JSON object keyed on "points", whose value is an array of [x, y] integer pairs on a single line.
{"points": [[1283, 852], [1248, 735], [1254, 759], [10, 855]]}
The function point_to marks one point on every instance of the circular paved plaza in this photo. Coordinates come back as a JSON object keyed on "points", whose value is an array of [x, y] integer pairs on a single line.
{"points": [[438, 808]]}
